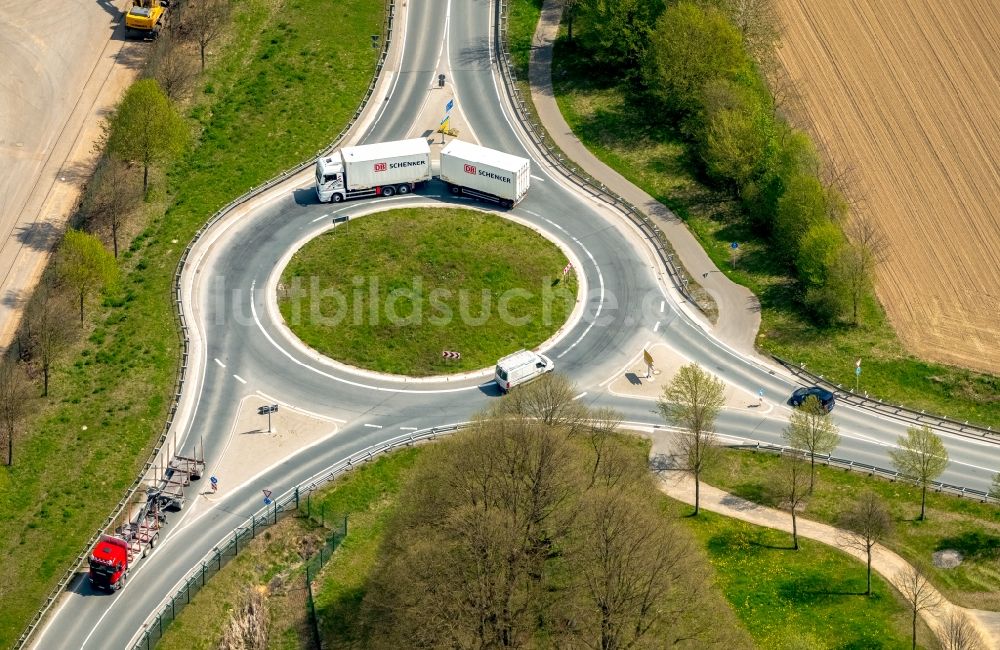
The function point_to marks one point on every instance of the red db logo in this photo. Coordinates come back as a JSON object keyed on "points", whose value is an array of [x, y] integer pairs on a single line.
{"points": [[380, 167], [470, 169]]}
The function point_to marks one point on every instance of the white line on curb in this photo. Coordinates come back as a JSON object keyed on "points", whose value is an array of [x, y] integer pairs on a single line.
{"points": [[221, 365], [240, 379]]}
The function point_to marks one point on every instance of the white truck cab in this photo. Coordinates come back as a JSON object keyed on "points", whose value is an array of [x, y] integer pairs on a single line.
{"points": [[520, 368]]}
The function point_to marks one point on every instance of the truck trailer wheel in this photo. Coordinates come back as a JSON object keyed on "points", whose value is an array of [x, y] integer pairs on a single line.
{"points": [[388, 191]]}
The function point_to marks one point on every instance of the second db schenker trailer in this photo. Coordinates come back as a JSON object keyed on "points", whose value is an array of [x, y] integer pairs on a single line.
{"points": [[485, 173], [381, 169]]}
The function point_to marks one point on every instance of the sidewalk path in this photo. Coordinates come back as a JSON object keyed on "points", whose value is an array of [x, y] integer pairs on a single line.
{"points": [[739, 309], [679, 485]]}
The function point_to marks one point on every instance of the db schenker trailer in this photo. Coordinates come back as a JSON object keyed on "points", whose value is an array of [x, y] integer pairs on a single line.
{"points": [[483, 173], [381, 169]]}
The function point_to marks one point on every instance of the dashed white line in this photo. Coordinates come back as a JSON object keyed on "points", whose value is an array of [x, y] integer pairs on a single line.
{"points": [[579, 396], [657, 326], [600, 304], [538, 178], [373, 426], [240, 379], [663, 305], [407, 428], [221, 365], [325, 216], [535, 214]]}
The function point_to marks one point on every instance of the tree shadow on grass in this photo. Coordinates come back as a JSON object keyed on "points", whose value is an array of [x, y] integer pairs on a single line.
{"points": [[755, 492], [972, 544], [813, 587]]}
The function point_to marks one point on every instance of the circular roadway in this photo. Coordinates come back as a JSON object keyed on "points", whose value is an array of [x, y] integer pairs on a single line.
{"points": [[247, 351]]}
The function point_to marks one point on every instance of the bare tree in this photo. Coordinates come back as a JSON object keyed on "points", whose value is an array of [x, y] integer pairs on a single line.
{"points": [[248, 624], [792, 486], [206, 21], [115, 197], [812, 430], [866, 524], [758, 23], [919, 594], [630, 561], [548, 399], [922, 457], [867, 248], [172, 67], [15, 392], [49, 322], [692, 401], [609, 467], [959, 633]]}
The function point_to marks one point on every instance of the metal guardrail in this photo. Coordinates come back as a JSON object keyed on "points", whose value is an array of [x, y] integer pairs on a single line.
{"points": [[283, 505], [901, 412], [574, 174], [185, 343], [873, 470]]}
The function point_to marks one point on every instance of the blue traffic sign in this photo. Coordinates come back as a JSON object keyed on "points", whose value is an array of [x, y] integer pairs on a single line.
{"points": [[857, 370], [450, 105], [213, 480], [734, 245], [267, 501]]}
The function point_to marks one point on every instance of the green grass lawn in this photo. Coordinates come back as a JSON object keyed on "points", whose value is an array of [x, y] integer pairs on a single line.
{"points": [[258, 114], [810, 598], [444, 279], [968, 526], [655, 159]]}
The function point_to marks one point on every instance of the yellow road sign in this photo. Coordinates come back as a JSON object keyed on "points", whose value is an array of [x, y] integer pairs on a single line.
{"points": [[648, 357]]}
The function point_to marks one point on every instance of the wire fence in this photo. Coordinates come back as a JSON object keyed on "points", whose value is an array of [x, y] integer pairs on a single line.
{"points": [[184, 342], [297, 499], [593, 187], [864, 400], [871, 470]]}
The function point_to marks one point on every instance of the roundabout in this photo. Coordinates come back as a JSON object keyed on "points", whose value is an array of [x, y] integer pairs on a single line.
{"points": [[404, 291]]}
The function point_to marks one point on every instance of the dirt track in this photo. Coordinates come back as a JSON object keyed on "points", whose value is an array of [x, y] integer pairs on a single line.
{"points": [[907, 91]]}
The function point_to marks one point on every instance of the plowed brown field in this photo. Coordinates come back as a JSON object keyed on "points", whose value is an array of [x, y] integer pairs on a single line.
{"points": [[908, 92]]}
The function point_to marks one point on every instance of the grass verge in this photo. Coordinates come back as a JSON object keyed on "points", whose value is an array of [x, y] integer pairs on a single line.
{"points": [[275, 559], [810, 598], [604, 117], [965, 525], [395, 289], [256, 116]]}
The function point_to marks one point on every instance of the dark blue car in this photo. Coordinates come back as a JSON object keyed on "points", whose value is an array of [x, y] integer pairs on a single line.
{"points": [[824, 396]]}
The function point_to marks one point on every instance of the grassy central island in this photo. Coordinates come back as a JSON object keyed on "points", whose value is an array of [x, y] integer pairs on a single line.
{"points": [[392, 291]]}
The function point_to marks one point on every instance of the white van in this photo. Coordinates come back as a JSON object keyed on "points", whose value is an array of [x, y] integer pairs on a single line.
{"points": [[520, 368]]}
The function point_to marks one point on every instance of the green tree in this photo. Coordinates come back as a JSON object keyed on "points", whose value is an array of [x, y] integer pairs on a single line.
{"points": [[146, 128], [48, 327], [616, 32], [819, 251], [691, 401], [866, 523], [802, 204], [738, 140], [85, 265], [812, 430], [921, 456], [115, 197], [690, 47]]}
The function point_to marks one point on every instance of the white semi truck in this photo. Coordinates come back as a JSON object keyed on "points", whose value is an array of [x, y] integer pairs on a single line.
{"points": [[381, 169], [483, 173]]}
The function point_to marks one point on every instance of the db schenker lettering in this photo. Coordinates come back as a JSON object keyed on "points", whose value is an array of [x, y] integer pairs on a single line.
{"points": [[497, 177], [406, 163]]}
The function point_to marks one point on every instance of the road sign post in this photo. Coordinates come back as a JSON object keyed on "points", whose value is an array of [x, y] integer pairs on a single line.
{"points": [[857, 375], [267, 410], [648, 358], [735, 246], [267, 497]]}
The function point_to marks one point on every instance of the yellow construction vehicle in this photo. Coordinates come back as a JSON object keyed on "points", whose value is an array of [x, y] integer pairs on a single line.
{"points": [[145, 17]]}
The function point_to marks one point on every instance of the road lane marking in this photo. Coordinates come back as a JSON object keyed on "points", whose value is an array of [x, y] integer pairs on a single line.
{"points": [[663, 305], [600, 304], [325, 216], [373, 426], [622, 370], [579, 396], [240, 379], [407, 428], [538, 178], [535, 214], [314, 414], [657, 326], [221, 365]]}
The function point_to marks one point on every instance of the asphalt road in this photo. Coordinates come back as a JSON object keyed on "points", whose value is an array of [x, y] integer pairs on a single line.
{"points": [[247, 350]]}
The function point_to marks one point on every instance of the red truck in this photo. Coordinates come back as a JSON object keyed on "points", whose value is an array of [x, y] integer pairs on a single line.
{"points": [[114, 555]]}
